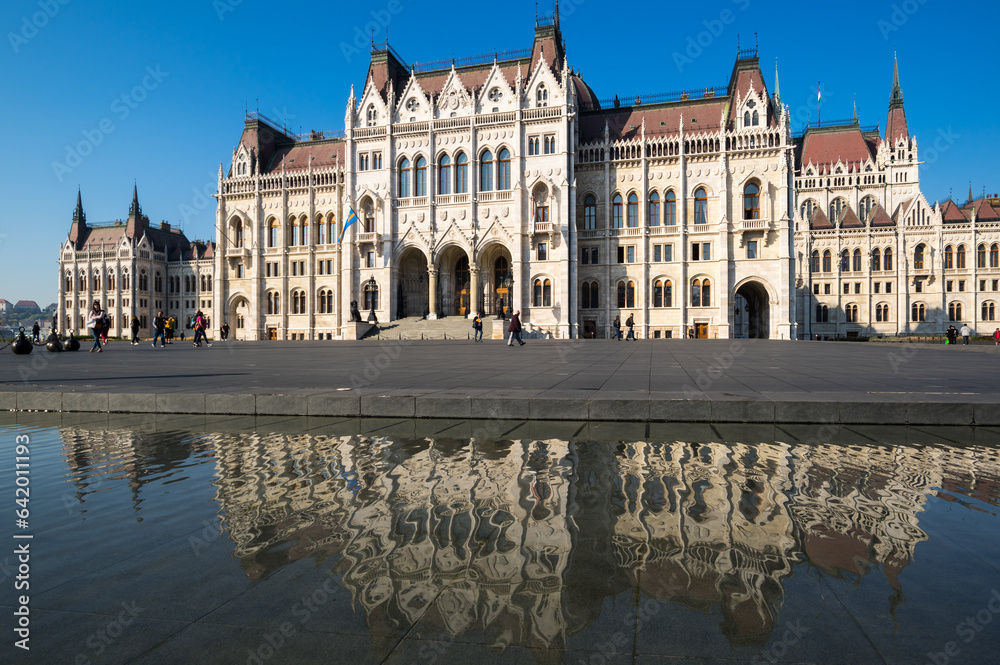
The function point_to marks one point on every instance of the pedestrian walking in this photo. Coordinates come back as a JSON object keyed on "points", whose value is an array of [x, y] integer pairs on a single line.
{"points": [[630, 323], [168, 327], [105, 328], [95, 323], [996, 337], [515, 329], [159, 330], [199, 329], [617, 325], [135, 330], [224, 331], [36, 331], [966, 333], [952, 334], [477, 326]]}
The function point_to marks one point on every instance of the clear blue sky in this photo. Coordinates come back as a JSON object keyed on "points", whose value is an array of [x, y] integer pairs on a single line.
{"points": [[188, 69]]}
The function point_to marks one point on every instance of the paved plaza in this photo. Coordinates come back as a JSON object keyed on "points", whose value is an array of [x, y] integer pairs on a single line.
{"points": [[755, 381]]}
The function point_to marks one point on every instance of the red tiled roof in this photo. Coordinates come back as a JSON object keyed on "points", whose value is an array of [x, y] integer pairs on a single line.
{"points": [[325, 154], [895, 126], [880, 217], [660, 120], [27, 303], [825, 147], [819, 220], [745, 76], [984, 211], [848, 220], [951, 213], [101, 236]]}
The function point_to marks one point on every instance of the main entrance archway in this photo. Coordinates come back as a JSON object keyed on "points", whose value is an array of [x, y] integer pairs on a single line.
{"points": [[412, 288], [751, 312], [494, 267], [239, 319]]}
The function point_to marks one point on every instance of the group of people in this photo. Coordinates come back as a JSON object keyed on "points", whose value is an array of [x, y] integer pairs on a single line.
{"points": [[952, 334], [629, 323], [99, 323]]}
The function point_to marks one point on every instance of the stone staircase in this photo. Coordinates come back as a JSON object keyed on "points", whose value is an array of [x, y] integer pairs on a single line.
{"points": [[450, 327]]}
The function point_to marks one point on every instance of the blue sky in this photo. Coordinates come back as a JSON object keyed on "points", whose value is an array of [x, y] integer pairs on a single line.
{"points": [[155, 93]]}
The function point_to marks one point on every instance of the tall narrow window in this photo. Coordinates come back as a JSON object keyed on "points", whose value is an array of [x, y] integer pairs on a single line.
{"points": [[668, 294], [845, 261], [887, 259], [654, 209], [949, 257], [542, 95], [814, 261], [616, 211], [706, 294], [994, 255], [696, 293], [700, 206], [461, 174], [960, 257], [321, 230], [444, 175], [751, 201], [658, 293], [981, 256], [304, 233], [632, 218], [486, 172], [918, 312], [404, 179], [856, 264], [918, 257], [420, 177], [590, 213], [670, 210], [503, 170], [876, 259]]}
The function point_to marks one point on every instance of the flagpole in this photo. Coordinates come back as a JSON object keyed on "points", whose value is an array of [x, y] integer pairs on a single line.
{"points": [[819, 103]]}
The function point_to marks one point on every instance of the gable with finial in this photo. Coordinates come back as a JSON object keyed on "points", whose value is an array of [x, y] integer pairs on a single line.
{"points": [[453, 235], [494, 232], [414, 103], [454, 99], [497, 93], [412, 238], [372, 109], [751, 111], [543, 88], [242, 162]]}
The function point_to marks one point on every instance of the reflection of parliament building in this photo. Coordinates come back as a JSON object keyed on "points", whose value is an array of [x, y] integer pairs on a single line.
{"points": [[504, 179]]}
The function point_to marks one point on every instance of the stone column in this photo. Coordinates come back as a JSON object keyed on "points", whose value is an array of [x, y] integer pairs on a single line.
{"points": [[473, 291], [432, 281]]}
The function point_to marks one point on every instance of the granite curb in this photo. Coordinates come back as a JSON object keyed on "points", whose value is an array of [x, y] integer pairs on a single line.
{"points": [[560, 406]]}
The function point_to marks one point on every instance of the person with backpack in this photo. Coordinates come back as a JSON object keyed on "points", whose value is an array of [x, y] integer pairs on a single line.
{"points": [[159, 329], [199, 329], [477, 325], [36, 331], [617, 325], [630, 323], [94, 319], [135, 330]]}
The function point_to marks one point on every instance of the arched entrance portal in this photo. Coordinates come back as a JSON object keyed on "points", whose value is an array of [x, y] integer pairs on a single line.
{"points": [[239, 319], [494, 267], [462, 279], [412, 287], [751, 312]]}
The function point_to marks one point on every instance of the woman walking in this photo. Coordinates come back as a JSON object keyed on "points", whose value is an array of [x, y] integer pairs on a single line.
{"points": [[199, 329], [95, 323], [135, 331]]}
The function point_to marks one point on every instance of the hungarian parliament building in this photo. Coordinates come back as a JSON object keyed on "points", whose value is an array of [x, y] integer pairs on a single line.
{"points": [[503, 182]]}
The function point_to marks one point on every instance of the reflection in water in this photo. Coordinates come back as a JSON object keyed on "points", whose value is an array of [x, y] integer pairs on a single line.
{"points": [[525, 539]]}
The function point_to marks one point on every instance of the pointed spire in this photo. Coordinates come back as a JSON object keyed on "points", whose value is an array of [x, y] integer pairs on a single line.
{"points": [[970, 191], [556, 15], [855, 119], [135, 210], [777, 85], [78, 214], [897, 92]]}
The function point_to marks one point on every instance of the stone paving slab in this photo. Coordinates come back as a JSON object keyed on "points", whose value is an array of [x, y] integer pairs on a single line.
{"points": [[657, 381]]}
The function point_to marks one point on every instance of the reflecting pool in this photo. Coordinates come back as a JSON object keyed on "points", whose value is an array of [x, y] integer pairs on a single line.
{"points": [[233, 540]]}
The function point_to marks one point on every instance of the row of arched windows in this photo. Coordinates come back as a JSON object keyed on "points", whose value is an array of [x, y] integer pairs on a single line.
{"points": [[299, 231], [865, 210], [918, 312], [494, 174], [850, 262], [109, 283], [661, 295], [625, 212]]}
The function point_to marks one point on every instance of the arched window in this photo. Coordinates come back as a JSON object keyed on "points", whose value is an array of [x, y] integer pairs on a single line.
{"points": [[989, 311], [368, 216], [960, 257], [420, 177], [856, 265], [486, 172], [701, 293], [590, 213], [371, 296], [814, 261], [69, 283], [836, 207], [662, 293], [503, 170], [321, 230], [756, 119], [827, 261], [700, 206], [807, 209], [632, 213], [542, 95], [954, 311], [543, 293], [331, 228], [876, 259], [304, 238], [588, 295], [616, 211], [995, 256], [444, 175], [325, 301], [83, 281], [272, 232], [981, 256], [751, 201], [654, 209], [372, 115], [143, 281], [822, 314], [293, 235], [298, 302], [626, 294], [949, 257], [461, 173], [845, 260], [273, 303], [882, 313], [918, 312], [97, 281], [125, 280], [158, 282], [918, 257], [851, 313], [670, 210], [404, 179], [238, 234], [746, 118], [887, 256]]}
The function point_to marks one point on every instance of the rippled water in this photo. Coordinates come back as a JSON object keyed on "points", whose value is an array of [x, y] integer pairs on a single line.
{"points": [[813, 546]]}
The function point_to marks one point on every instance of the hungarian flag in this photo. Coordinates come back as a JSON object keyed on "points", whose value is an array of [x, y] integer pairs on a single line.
{"points": [[819, 93], [534, 215]]}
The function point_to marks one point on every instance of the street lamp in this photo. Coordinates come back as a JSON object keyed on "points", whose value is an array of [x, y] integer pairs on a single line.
{"points": [[508, 282], [372, 288]]}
